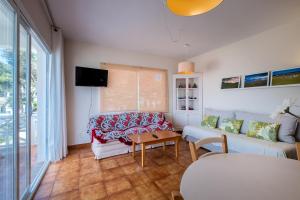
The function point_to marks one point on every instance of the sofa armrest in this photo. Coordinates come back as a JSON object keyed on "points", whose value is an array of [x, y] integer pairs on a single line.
{"points": [[98, 134], [167, 125]]}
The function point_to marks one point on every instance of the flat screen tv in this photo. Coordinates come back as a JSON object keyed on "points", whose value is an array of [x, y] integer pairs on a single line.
{"points": [[91, 77]]}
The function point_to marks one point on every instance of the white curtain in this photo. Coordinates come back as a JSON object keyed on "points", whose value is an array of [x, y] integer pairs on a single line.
{"points": [[57, 107]]}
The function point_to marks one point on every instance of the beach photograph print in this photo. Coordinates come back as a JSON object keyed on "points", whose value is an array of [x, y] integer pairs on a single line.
{"points": [[232, 82], [256, 80], [286, 77]]}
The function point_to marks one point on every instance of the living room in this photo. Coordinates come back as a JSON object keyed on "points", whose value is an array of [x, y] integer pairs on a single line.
{"points": [[162, 99]]}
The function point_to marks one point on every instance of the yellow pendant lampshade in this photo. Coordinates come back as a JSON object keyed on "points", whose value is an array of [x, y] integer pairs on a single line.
{"points": [[186, 67], [191, 7]]}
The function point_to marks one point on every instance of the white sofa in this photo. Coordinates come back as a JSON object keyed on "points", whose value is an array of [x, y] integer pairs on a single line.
{"points": [[289, 132]]}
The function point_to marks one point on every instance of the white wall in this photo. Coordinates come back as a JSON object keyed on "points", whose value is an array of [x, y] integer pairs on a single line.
{"points": [[274, 49], [78, 98]]}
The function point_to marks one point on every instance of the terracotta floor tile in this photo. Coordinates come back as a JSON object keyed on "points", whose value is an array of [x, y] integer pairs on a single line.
{"points": [[84, 170], [85, 150], [92, 192], [73, 151], [80, 176], [173, 168], [127, 194], [54, 167], [72, 157], [168, 184], [90, 179], [108, 164], [87, 155], [67, 174], [49, 177], [74, 195], [125, 160], [117, 185], [65, 185], [156, 173], [131, 168], [163, 160], [113, 173], [139, 178], [44, 191], [70, 165], [149, 192]]}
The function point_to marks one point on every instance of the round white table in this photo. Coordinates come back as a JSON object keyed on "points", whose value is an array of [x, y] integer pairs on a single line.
{"points": [[241, 177]]}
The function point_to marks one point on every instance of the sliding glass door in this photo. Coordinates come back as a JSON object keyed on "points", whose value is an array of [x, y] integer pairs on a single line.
{"points": [[38, 117], [7, 69], [23, 105], [23, 100]]}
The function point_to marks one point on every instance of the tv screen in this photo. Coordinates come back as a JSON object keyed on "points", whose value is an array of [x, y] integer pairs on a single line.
{"points": [[91, 77]]}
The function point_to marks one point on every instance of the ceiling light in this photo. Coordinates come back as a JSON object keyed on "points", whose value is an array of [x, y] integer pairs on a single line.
{"points": [[186, 67], [191, 7]]}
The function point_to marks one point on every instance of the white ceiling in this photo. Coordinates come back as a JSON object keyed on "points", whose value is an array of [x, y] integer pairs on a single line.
{"points": [[141, 25]]}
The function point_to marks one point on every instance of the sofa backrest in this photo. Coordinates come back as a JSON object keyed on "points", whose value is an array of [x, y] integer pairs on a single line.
{"points": [[287, 122], [223, 114], [247, 117], [123, 121]]}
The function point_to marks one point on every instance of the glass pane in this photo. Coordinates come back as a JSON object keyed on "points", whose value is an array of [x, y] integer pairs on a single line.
{"points": [[38, 105], [6, 100], [23, 109]]}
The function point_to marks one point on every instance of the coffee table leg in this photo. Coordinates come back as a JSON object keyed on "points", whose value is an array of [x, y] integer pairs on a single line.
{"points": [[177, 148], [133, 149], [164, 146], [143, 154]]}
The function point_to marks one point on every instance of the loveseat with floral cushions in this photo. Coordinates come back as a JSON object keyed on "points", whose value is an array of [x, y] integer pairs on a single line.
{"points": [[108, 129]]}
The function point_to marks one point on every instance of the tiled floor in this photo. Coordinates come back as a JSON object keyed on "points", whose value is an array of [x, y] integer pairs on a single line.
{"points": [[79, 176]]}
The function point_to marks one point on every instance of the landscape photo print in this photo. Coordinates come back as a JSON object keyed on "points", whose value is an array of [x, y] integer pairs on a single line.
{"points": [[286, 77], [256, 80], [232, 82]]}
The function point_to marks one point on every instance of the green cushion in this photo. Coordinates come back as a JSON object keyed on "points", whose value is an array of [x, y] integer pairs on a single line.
{"points": [[210, 121], [231, 125], [263, 130]]}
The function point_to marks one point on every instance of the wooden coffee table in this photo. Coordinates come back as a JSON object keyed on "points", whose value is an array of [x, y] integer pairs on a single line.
{"points": [[145, 139]]}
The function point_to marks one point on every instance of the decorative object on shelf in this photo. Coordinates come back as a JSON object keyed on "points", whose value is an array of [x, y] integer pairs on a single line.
{"points": [[194, 85], [284, 108], [232, 82], [192, 7], [181, 86], [286, 77], [186, 67], [256, 80]]}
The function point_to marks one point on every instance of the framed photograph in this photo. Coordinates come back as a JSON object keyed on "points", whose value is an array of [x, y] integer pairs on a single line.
{"points": [[256, 80], [285, 77], [232, 82]]}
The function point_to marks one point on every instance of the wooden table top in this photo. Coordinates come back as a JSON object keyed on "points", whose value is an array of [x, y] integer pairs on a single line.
{"points": [[147, 137]]}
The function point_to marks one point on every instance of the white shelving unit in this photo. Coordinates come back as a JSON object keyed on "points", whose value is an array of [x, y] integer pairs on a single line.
{"points": [[187, 100]]}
